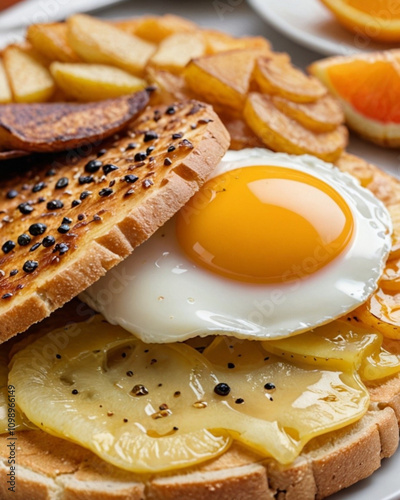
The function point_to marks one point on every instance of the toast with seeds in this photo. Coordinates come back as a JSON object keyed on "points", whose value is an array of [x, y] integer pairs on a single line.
{"points": [[65, 223]]}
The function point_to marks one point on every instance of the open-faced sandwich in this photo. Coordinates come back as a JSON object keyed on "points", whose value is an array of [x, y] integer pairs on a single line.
{"points": [[236, 331]]}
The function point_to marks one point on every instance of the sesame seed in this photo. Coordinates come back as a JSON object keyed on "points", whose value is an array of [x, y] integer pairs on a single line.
{"points": [[62, 183], [30, 266], [8, 246]]}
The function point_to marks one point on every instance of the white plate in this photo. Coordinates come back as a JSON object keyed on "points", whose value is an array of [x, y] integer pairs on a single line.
{"points": [[310, 24]]}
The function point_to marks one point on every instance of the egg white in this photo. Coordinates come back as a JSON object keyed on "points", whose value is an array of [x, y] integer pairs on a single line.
{"points": [[160, 295]]}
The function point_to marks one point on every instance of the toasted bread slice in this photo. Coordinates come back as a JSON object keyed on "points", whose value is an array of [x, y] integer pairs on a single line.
{"points": [[80, 216], [50, 127]]}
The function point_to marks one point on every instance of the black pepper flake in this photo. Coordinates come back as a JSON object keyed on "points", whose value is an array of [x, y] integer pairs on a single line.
{"points": [[147, 183], [48, 241], [111, 183], [8, 246], [175, 428], [131, 145], [129, 373], [101, 152], [105, 192], [62, 183], [177, 136], [93, 166], [150, 136], [13, 272], [266, 358], [239, 401], [51, 172], [140, 156], [171, 148], [108, 168], [231, 366], [149, 150], [139, 390], [153, 361], [85, 179], [66, 220], [63, 229], [38, 187], [58, 356], [24, 240], [170, 110], [12, 194], [75, 203], [167, 162], [30, 266], [222, 389], [84, 195], [269, 386], [35, 247], [7, 295], [125, 420], [41, 199], [130, 178], [37, 229], [75, 392], [25, 208], [81, 216], [177, 394]]}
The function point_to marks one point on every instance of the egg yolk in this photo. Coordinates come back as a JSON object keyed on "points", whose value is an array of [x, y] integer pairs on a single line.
{"points": [[265, 224]]}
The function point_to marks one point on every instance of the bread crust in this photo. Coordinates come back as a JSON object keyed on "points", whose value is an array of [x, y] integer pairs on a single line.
{"points": [[116, 237], [51, 468]]}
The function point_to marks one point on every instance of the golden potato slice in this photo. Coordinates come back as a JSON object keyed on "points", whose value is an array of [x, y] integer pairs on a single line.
{"points": [[382, 312], [281, 133], [323, 115], [357, 167], [155, 29], [5, 91], [222, 78], [96, 41], [170, 87], [216, 41], [94, 82], [51, 41], [29, 79], [128, 25], [277, 76], [394, 211], [175, 51]]}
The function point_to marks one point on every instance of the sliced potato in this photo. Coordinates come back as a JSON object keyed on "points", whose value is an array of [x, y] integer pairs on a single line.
{"points": [[222, 78], [356, 167], [323, 115], [281, 133], [94, 82], [394, 211], [97, 41], [277, 76], [51, 41], [216, 41], [155, 29], [5, 91], [170, 87], [175, 51], [29, 79]]}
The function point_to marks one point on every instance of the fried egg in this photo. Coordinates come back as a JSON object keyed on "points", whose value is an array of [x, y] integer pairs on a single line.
{"points": [[271, 246]]}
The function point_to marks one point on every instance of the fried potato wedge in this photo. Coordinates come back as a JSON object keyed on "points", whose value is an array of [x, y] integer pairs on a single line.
{"points": [[29, 79], [51, 41], [222, 78], [278, 77], [170, 87], [281, 133], [241, 134], [94, 82], [58, 126], [97, 41], [5, 90], [175, 51], [217, 41], [323, 115], [155, 29]]}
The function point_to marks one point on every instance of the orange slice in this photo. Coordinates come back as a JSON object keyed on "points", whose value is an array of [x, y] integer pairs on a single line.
{"points": [[368, 86], [374, 19]]}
